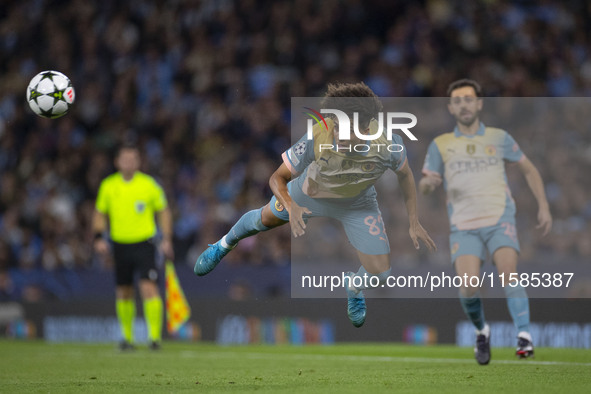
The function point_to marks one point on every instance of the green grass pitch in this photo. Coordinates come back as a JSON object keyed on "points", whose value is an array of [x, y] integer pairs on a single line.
{"points": [[344, 368]]}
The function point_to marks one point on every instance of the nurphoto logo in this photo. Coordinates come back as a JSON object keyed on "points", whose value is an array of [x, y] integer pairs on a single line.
{"points": [[392, 120]]}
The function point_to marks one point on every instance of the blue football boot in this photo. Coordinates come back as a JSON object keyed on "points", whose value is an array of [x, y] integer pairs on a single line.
{"points": [[208, 260], [356, 307]]}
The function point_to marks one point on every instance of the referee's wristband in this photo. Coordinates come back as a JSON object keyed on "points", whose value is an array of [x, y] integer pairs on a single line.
{"points": [[98, 236]]}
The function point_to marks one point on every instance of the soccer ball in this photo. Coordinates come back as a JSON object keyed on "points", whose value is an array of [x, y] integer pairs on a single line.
{"points": [[50, 94]]}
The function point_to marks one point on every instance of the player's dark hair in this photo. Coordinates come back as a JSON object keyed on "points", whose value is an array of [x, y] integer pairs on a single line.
{"points": [[126, 146], [461, 83], [353, 97]]}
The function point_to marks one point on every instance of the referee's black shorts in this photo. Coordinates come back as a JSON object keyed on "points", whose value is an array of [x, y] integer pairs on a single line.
{"points": [[129, 258]]}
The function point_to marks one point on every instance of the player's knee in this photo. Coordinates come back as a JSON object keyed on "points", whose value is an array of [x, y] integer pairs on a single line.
{"points": [[468, 291], [269, 219]]}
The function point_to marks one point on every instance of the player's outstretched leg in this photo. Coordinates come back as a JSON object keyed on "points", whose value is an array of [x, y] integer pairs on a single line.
{"points": [[249, 224], [482, 348], [356, 308], [525, 347]]}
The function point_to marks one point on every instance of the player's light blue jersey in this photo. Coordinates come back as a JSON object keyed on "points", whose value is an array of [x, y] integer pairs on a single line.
{"points": [[327, 173], [473, 171]]}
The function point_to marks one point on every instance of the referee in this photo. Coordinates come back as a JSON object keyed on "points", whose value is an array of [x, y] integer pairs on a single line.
{"points": [[129, 199]]}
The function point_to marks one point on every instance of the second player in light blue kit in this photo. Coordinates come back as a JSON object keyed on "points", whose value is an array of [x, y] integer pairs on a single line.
{"points": [[470, 162]]}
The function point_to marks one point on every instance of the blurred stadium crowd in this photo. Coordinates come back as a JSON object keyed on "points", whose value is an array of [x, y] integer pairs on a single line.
{"points": [[204, 88]]}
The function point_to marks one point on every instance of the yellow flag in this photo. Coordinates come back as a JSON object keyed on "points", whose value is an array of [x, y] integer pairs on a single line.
{"points": [[177, 308]]}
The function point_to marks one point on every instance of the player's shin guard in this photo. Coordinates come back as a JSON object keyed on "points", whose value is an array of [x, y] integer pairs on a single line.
{"points": [[472, 307], [518, 304], [249, 224], [369, 281]]}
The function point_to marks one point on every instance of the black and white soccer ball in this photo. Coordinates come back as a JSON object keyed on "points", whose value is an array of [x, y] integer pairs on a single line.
{"points": [[50, 94]]}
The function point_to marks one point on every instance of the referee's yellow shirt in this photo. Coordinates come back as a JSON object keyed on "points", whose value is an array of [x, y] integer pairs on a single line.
{"points": [[130, 206]]}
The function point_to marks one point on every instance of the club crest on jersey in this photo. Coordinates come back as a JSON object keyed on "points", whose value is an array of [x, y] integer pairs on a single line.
{"points": [[140, 206], [490, 150], [470, 149], [278, 206], [368, 167]]}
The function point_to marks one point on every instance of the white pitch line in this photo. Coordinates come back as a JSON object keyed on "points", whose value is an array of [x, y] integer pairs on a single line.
{"points": [[353, 358]]}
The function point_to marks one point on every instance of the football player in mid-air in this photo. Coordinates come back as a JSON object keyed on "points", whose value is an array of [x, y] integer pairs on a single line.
{"points": [[336, 183], [481, 210]]}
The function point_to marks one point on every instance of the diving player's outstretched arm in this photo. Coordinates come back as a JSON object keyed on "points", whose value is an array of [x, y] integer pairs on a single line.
{"points": [[278, 183], [416, 231]]}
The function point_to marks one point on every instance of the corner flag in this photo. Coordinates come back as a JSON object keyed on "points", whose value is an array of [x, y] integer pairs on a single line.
{"points": [[177, 308]]}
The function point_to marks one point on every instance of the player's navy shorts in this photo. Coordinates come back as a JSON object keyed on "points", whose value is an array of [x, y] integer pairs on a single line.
{"points": [[477, 242], [129, 258], [361, 217]]}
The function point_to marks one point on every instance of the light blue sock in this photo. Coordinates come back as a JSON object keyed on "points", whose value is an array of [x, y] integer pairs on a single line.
{"points": [[472, 307], [518, 304], [367, 283], [249, 224]]}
